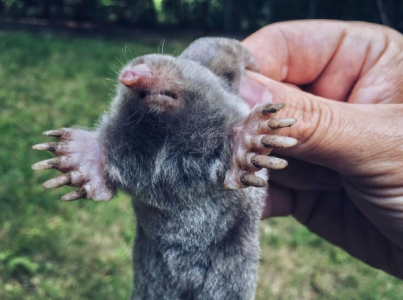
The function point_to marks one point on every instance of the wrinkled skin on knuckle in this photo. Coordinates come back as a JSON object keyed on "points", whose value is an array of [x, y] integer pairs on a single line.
{"points": [[383, 146], [308, 114]]}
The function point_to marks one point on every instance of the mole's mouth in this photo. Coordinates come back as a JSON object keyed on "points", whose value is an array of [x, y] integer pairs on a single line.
{"points": [[155, 94], [160, 100]]}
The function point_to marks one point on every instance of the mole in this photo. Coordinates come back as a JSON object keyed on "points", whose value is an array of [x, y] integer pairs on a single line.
{"points": [[181, 141]]}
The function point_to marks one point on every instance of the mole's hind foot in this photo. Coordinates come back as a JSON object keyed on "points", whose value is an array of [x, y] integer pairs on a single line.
{"points": [[253, 142], [79, 157]]}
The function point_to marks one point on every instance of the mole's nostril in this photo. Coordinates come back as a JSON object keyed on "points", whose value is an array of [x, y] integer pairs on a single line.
{"points": [[142, 95]]}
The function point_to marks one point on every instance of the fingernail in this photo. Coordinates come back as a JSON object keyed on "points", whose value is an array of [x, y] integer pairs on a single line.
{"points": [[253, 92], [257, 77]]}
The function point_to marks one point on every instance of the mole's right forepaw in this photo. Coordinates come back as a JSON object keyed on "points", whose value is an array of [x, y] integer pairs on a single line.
{"points": [[253, 142], [80, 158]]}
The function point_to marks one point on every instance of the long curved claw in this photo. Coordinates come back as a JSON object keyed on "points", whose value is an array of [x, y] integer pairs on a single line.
{"points": [[46, 164], [46, 146], [64, 179], [272, 108], [55, 133], [274, 124], [268, 162], [277, 141], [75, 195], [249, 179]]}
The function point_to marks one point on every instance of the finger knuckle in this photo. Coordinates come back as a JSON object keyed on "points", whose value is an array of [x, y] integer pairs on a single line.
{"points": [[316, 120]]}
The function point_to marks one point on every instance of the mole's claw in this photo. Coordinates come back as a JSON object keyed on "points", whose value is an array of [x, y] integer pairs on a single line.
{"points": [[46, 164], [54, 133], [252, 180], [280, 123], [268, 162], [277, 141], [272, 108], [65, 179], [75, 195], [45, 146]]}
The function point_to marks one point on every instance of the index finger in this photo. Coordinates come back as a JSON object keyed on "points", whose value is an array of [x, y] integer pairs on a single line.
{"points": [[328, 56]]}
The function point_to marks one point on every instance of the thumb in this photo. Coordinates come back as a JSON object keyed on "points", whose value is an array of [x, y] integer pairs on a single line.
{"points": [[338, 135]]}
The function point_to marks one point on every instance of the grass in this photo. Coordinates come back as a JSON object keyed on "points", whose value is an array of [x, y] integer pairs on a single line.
{"points": [[82, 250]]}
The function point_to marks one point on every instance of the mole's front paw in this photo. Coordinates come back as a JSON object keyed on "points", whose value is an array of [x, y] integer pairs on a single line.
{"points": [[80, 158], [253, 142]]}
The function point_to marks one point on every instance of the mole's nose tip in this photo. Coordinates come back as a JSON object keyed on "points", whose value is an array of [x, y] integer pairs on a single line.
{"points": [[128, 78], [133, 76]]}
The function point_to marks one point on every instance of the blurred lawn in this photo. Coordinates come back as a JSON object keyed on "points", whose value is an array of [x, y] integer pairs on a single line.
{"points": [[82, 250]]}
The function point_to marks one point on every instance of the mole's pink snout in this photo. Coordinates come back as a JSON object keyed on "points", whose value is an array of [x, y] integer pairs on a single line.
{"points": [[135, 76]]}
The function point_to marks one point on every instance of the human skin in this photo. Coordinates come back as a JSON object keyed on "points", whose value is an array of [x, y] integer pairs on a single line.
{"points": [[343, 82]]}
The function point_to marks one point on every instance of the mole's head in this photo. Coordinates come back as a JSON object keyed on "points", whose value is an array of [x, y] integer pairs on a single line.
{"points": [[154, 83], [161, 84]]}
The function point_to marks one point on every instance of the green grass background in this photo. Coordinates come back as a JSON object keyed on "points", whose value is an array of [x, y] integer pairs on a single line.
{"points": [[82, 250]]}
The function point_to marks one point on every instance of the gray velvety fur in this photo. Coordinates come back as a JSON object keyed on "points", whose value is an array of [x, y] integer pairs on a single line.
{"points": [[195, 240]]}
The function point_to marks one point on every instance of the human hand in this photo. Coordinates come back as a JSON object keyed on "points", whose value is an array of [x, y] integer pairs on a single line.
{"points": [[343, 82]]}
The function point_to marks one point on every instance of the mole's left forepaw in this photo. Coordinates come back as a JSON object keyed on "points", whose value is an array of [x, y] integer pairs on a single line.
{"points": [[253, 142]]}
